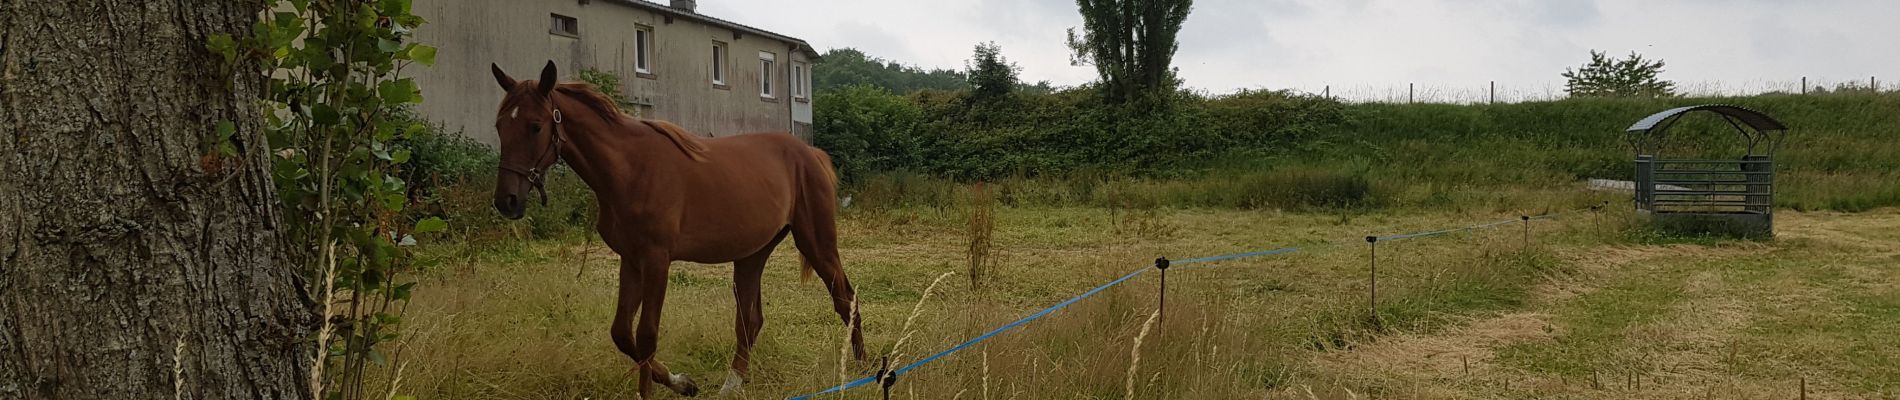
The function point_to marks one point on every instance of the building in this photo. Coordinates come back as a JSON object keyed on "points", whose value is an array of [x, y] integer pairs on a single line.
{"points": [[712, 76]]}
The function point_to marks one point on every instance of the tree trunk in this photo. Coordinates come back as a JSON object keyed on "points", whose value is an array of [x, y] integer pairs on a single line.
{"points": [[136, 262]]}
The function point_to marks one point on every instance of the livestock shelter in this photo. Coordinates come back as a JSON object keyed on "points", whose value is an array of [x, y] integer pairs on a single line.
{"points": [[1707, 195]]}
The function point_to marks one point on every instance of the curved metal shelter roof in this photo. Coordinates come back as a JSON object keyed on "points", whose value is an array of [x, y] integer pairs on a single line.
{"points": [[1752, 118], [1647, 135]]}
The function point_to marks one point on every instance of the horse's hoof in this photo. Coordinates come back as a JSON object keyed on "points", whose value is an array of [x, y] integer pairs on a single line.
{"points": [[733, 384], [684, 385]]}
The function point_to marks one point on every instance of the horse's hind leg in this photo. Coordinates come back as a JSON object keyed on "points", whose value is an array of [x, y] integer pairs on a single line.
{"points": [[815, 231], [748, 315]]}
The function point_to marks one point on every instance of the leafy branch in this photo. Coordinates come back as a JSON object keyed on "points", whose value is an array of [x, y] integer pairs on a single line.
{"points": [[336, 84]]}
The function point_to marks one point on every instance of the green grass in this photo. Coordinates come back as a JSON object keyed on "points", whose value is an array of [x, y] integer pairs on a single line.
{"points": [[519, 323], [519, 309], [1599, 327], [1837, 157], [513, 313]]}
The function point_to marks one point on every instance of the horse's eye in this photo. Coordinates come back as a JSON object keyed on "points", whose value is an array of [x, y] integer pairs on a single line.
{"points": [[534, 128]]}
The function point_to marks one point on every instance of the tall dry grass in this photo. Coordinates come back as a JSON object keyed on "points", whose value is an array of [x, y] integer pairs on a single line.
{"points": [[982, 225]]}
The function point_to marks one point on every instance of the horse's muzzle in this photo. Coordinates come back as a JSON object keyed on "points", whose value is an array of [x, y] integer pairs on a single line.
{"points": [[510, 206]]}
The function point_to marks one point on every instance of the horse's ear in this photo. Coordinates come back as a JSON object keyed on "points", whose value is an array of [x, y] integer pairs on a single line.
{"points": [[547, 78], [502, 78]]}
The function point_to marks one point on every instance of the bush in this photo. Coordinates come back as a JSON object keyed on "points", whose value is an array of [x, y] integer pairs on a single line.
{"points": [[1265, 117], [866, 129], [439, 158], [1259, 136]]}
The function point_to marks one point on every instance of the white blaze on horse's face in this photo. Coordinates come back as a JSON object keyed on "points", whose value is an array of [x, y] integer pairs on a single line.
{"points": [[514, 113]]}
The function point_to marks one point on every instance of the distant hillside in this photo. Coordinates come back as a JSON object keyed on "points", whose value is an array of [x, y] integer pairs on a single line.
{"points": [[849, 67]]}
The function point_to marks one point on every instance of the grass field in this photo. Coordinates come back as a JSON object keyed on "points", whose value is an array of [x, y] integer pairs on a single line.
{"points": [[1590, 308]]}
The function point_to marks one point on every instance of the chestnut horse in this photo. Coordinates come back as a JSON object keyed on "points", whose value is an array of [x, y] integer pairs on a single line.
{"points": [[666, 195]]}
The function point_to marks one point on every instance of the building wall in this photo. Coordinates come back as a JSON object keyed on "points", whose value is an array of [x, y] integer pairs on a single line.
{"points": [[460, 93]]}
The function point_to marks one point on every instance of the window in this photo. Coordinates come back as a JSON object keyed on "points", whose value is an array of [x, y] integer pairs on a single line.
{"points": [[643, 50], [719, 64], [798, 80], [564, 25], [766, 61]]}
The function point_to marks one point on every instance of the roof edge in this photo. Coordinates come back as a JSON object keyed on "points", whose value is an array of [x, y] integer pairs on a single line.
{"points": [[669, 10], [1747, 116]]}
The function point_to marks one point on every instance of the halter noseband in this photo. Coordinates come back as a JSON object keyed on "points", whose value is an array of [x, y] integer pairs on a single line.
{"points": [[535, 174]]}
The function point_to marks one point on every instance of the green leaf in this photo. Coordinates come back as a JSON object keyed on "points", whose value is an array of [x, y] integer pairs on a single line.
{"points": [[402, 291], [411, 20], [394, 184], [376, 357], [431, 224], [224, 45], [395, 7], [365, 16], [385, 131], [422, 54], [394, 201], [400, 156], [397, 91], [388, 46], [324, 114], [225, 129]]}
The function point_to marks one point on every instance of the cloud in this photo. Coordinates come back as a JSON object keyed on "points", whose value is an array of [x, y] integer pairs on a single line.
{"points": [[1233, 44]]}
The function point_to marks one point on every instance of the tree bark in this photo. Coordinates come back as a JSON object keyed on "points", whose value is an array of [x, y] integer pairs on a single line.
{"points": [[136, 262]]}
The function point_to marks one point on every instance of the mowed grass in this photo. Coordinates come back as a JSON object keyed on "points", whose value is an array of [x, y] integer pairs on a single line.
{"points": [[1690, 319], [528, 320]]}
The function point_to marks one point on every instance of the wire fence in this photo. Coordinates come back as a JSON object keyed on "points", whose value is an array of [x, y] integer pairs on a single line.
{"points": [[1519, 92], [887, 376]]}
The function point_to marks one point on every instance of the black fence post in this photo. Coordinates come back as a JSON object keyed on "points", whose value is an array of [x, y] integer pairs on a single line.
{"points": [[1372, 282], [1161, 309], [1596, 217], [1526, 232], [886, 378]]}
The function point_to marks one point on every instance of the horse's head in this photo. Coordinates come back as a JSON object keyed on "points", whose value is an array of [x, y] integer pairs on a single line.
{"points": [[529, 132]]}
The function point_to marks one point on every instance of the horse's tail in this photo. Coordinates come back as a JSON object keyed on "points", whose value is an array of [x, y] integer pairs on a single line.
{"points": [[831, 173], [831, 181], [805, 269]]}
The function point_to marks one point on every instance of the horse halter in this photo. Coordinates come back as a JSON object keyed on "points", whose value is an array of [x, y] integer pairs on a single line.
{"points": [[535, 175]]}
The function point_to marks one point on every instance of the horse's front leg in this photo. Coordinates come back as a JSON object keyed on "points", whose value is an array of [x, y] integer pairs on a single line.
{"points": [[643, 289]]}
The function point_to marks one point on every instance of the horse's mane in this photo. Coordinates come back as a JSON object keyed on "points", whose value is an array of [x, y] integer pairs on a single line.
{"points": [[687, 141], [608, 109]]}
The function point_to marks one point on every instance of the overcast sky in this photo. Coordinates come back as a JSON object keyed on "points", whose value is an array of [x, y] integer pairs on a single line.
{"points": [[1305, 44]]}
